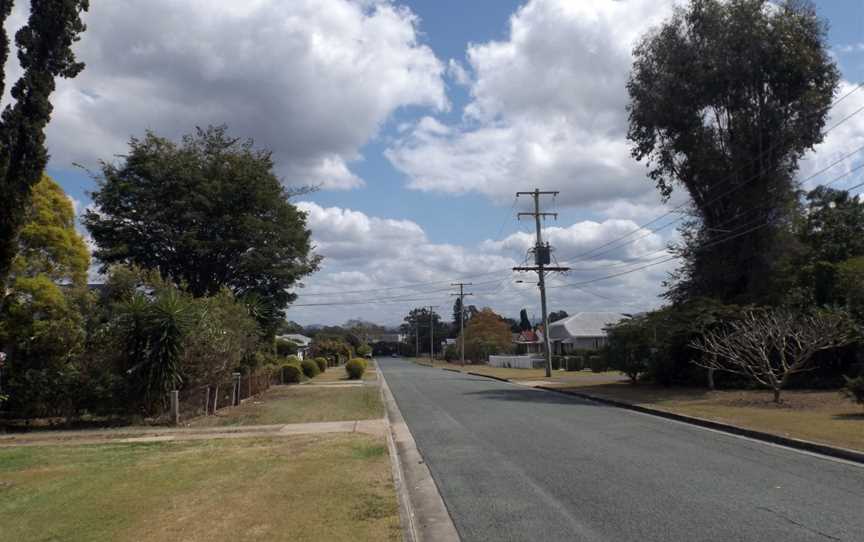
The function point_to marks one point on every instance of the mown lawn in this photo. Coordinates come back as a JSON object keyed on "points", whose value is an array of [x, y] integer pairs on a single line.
{"points": [[300, 488], [301, 404], [338, 374]]}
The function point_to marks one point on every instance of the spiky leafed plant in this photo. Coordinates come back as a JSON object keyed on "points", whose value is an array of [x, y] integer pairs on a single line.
{"points": [[154, 330]]}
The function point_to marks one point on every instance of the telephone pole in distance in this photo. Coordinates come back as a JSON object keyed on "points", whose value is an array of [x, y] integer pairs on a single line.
{"points": [[432, 333], [461, 295], [542, 261]]}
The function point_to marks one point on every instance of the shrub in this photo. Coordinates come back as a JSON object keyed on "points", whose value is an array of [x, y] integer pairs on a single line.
{"points": [[451, 353], [291, 374], [597, 364], [310, 368], [322, 364], [556, 362], [355, 368], [854, 389], [574, 363]]}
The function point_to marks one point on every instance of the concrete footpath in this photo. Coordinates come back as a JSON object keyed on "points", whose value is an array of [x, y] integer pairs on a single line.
{"points": [[166, 434]]}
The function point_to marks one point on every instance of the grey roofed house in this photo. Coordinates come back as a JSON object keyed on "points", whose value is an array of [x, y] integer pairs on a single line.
{"points": [[583, 330], [302, 342]]}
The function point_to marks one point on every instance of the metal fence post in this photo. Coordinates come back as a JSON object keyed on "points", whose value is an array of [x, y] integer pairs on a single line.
{"points": [[175, 407]]}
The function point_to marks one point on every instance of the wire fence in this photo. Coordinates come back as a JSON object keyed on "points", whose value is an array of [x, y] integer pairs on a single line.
{"points": [[231, 391]]}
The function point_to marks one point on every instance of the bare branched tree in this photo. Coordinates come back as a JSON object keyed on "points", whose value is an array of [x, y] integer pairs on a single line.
{"points": [[769, 346]]}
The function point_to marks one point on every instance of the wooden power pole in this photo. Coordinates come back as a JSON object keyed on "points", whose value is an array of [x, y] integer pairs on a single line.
{"points": [[432, 333], [461, 295], [542, 261]]}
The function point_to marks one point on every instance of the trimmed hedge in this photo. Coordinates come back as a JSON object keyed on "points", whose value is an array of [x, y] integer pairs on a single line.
{"points": [[322, 364], [355, 368], [291, 374], [310, 368]]}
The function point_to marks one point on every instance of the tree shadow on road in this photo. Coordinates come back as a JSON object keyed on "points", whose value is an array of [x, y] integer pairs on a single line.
{"points": [[528, 395]]}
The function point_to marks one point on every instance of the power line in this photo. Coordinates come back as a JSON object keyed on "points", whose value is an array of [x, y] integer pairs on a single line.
{"points": [[728, 179], [709, 245]]}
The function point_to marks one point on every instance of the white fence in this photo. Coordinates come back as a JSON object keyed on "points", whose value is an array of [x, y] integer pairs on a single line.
{"points": [[516, 362]]}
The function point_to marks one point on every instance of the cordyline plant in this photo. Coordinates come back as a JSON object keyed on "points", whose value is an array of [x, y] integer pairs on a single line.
{"points": [[769, 346]]}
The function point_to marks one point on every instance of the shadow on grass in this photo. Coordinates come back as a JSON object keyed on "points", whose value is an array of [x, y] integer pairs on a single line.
{"points": [[857, 416]]}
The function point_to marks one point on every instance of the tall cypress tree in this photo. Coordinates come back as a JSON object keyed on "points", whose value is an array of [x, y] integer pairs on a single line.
{"points": [[44, 52]]}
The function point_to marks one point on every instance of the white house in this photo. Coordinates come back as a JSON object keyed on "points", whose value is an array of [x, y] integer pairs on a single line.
{"points": [[582, 331], [302, 342]]}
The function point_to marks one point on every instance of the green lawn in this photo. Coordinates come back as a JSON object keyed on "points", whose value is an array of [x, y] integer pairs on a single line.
{"points": [[301, 488], [338, 374], [301, 404]]}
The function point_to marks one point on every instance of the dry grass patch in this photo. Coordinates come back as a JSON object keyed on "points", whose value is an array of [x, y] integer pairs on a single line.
{"points": [[820, 416], [303, 488], [301, 404]]}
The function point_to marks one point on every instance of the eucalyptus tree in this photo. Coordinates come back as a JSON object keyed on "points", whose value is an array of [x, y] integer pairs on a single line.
{"points": [[725, 99]]}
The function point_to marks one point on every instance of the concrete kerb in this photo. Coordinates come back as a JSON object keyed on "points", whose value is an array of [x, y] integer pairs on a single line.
{"points": [[423, 514], [797, 444]]}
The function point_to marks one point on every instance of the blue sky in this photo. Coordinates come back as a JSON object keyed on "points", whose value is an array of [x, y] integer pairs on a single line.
{"points": [[419, 118]]}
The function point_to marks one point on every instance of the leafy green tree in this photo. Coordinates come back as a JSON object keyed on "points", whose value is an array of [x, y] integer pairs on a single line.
{"points": [[725, 98], [631, 346], [487, 333], [44, 52], [207, 213], [420, 321], [554, 316], [41, 329], [833, 225], [222, 335]]}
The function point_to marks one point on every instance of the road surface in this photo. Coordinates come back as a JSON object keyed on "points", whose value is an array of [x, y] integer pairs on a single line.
{"points": [[513, 463]]}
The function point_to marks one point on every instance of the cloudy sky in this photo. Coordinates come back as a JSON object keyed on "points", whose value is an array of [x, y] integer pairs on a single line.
{"points": [[419, 120]]}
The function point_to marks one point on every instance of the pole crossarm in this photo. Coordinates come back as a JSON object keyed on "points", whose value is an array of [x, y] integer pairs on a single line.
{"points": [[556, 269], [554, 215], [541, 268]]}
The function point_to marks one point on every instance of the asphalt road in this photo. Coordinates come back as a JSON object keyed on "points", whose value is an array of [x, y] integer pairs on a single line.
{"points": [[514, 463]]}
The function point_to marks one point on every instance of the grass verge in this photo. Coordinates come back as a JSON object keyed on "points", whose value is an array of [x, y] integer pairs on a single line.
{"points": [[301, 404], [303, 488], [819, 416]]}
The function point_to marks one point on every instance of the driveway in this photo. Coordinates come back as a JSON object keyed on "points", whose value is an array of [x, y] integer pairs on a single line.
{"points": [[513, 463]]}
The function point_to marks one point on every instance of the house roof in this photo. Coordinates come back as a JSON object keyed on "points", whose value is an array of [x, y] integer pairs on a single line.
{"points": [[528, 336], [302, 340], [583, 324]]}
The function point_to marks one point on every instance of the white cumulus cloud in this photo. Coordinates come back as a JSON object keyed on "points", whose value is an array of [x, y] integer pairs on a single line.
{"points": [[313, 80]]}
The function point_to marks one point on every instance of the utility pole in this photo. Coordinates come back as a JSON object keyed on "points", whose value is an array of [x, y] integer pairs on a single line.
{"points": [[416, 338], [461, 295], [542, 259], [432, 333]]}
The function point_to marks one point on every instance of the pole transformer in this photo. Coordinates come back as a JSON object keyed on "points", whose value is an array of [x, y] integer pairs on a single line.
{"points": [[542, 261]]}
